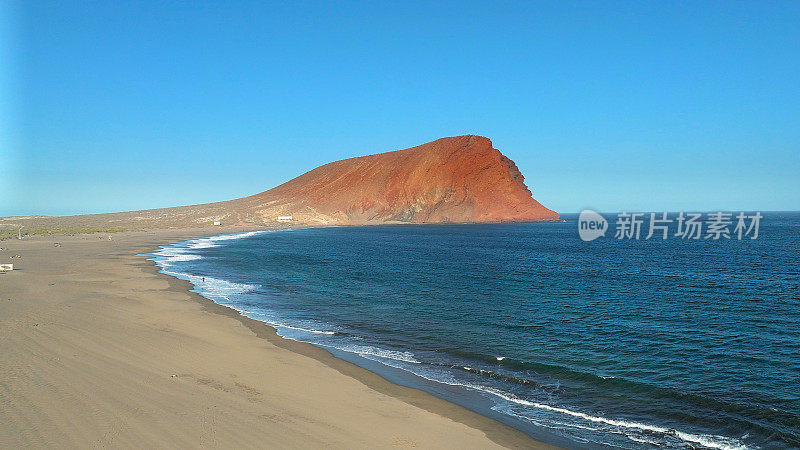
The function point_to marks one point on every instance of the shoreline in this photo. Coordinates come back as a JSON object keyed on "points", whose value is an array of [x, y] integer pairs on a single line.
{"points": [[500, 433], [414, 399]]}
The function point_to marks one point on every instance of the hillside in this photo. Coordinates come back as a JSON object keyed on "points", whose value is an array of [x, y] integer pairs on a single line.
{"points": [[451, 180]]}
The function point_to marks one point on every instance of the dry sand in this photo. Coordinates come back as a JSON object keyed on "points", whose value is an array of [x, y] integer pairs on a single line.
{"points": [[97, 349]]}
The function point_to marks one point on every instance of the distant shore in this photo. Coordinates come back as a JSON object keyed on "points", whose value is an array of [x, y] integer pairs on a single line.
{"points": [[98, 348]]}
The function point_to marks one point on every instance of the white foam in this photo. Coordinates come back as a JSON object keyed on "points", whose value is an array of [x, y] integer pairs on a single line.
{"points": [[184, 257], [201, 244], [366, 351], [308, 330], [167, 255], [215, 287], [209, 242], [709, 441]]}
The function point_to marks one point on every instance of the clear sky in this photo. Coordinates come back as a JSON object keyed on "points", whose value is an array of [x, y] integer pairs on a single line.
{"points": [[616, 106]]}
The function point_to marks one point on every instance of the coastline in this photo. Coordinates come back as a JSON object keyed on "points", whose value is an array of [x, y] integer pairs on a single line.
{"points": [[414, 417]]}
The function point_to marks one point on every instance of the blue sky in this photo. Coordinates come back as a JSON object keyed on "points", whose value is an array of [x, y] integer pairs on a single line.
{"points": [[610, 105]]}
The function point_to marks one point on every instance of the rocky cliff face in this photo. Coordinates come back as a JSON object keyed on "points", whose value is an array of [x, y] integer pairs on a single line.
{"points": [[455, 179]]}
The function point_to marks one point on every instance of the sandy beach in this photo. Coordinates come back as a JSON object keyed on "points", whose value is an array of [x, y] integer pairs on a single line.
{"points": [[97, 349]]}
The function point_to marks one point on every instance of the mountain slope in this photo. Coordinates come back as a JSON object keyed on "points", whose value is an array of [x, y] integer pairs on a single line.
{"points": [[455, 179]]}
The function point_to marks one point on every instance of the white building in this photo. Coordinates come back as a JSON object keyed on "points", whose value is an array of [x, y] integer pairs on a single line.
{"points": [[284, 218]]}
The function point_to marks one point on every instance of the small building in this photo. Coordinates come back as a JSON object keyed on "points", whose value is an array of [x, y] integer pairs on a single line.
{"points": [[284, 218], [217, 223]]}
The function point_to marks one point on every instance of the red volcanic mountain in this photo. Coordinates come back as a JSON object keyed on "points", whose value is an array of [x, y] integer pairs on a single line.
{"points": [[455, 179]]}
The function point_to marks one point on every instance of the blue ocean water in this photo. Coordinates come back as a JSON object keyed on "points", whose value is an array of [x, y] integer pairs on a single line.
{"points": [[610, 343]]}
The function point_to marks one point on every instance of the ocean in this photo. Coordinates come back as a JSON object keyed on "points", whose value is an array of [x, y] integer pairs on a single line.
{"points": [[604, 344]]}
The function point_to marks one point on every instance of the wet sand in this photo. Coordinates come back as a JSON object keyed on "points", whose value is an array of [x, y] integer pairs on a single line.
{"points": [[97, 349]]}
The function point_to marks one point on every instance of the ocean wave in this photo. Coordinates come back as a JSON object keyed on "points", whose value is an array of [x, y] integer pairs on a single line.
{"points": [[365, 351], [708, 441], [730, 411], [180, 256], [167, 255], [616, 426], [507, 377], [216, 288], [307, 330], [213, 241]]}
